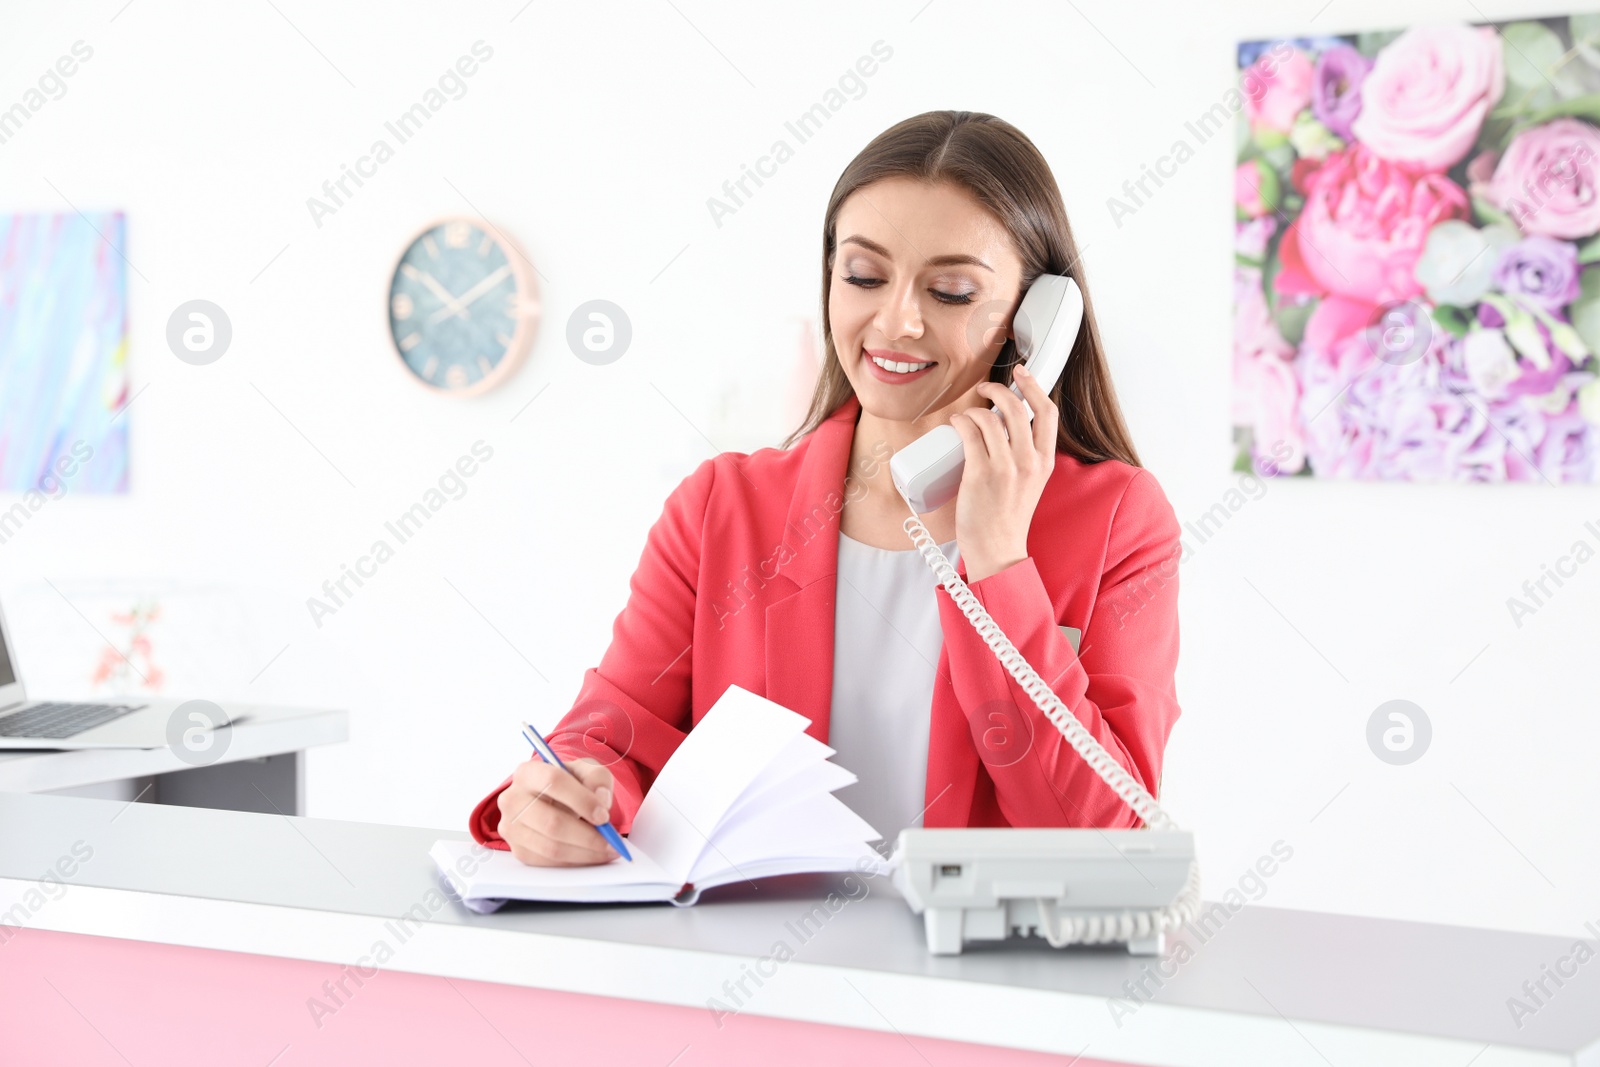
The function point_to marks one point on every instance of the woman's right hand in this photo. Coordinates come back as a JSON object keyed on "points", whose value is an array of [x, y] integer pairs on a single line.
{"points": [[548, 816]]}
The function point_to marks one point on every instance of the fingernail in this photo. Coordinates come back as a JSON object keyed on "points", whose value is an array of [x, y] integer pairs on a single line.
{"points": [[1022, 369], [604, 793]]}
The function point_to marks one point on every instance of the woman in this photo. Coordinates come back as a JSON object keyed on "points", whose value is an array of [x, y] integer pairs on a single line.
{"points": [[787, 571]]}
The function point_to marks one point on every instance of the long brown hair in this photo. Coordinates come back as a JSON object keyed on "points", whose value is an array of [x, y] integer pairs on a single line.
{"points": [[1003, 170]]}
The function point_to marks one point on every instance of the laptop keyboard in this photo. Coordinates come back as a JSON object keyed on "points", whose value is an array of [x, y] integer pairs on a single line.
{"points": [[58, 720]]}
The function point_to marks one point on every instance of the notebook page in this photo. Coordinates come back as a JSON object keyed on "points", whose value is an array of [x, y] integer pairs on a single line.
{"points": [[801, 752], [503, 876], [715, 763], [866, 863], [801, 769], [820, 778], [820, 825]]}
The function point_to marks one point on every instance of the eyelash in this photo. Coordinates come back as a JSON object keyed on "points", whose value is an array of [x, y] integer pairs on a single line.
{"points": [[943, 298]]}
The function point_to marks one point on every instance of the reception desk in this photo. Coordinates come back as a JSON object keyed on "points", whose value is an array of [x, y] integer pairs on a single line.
{"points": [[157, 934]]}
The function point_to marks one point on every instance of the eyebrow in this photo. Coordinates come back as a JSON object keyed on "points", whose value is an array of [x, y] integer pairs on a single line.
{"points": [[935, 261]]}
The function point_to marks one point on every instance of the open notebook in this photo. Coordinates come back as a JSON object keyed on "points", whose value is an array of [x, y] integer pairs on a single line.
{"points": [[748, 794]]}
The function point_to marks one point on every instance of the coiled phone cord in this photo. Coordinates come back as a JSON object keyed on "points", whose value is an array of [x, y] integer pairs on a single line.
{"points": [[1118, 926]]}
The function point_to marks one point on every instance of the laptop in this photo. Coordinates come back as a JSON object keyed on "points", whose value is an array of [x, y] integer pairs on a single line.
{"points": [[63, 724]]}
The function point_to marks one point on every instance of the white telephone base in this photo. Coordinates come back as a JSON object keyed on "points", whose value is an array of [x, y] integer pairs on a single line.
{"points": [[987, 885]]}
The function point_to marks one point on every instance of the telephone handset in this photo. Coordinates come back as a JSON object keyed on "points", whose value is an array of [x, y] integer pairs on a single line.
{"points": [[927, 472], [1073, 886]]}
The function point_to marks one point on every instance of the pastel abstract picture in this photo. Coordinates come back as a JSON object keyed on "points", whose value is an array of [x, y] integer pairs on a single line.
{"points": [[63, 353], [1417, 254]]}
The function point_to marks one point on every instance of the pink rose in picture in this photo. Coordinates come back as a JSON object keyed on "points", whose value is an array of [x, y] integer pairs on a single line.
{"points": [[1255, 189], [1276, 393], [1428, 93], [1363, 228], [1265, 391], [1335, 318], [1548, 180], [1277, 90], [1255, 337], [1480, 171]]}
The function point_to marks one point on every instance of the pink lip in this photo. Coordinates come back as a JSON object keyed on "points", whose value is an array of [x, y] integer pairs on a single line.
{"points": [[888, 376]]}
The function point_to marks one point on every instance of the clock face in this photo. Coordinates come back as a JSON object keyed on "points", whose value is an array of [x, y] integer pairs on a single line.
{"points": [[462, 306]]}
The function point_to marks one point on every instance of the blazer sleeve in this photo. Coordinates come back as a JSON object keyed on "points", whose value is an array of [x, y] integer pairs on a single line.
{"points": [[1120, 685], [634, 709]]}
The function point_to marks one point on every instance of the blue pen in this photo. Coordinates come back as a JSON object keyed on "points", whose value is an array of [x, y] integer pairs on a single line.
{"points": [[542, 749]]}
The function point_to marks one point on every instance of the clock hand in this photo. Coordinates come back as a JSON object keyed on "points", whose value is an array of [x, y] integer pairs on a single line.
{"points": [[438, 290], [472, 294]]}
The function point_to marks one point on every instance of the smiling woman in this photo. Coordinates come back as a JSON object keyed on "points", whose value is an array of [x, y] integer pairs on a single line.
{"points": [[991, 179], [931, 238]]}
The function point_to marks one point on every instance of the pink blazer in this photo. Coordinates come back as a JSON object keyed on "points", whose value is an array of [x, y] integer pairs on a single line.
{"points": [[736, 586]]}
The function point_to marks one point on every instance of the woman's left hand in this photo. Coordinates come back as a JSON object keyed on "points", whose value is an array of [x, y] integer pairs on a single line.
{"points": [[1003, 479]]}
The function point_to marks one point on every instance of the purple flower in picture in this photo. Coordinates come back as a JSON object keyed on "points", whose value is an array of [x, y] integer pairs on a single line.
{"points": [[1515, 429], [1539, 446], [1336, 88], [1536, 382], [1541, 270], [1420, 431], [1567, 453], [1367, 418]]}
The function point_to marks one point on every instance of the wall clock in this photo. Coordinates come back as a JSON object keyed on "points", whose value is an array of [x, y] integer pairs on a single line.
{"points": [[463, 306]]}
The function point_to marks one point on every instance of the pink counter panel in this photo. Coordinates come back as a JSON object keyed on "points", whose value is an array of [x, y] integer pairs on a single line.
{"points": [[92, 1001]]}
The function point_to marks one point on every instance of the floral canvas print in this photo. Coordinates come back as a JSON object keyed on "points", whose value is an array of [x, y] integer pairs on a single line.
{"points": [[1415, 289]]}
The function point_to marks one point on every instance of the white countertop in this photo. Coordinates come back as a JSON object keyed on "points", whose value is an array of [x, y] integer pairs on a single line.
{"points": [[1270, 986]]}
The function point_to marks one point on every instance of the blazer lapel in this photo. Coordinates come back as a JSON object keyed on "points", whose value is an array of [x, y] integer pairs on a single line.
{"points": [[799, 625]]}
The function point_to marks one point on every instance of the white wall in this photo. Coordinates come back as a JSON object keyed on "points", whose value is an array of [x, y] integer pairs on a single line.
{"points": [[595, 134]]}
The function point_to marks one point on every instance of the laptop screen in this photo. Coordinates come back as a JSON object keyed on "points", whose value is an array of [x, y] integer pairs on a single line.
{"points": [[7, 674]]}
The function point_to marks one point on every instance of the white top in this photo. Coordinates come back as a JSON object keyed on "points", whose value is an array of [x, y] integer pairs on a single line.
{"points": [[886, 642]]}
